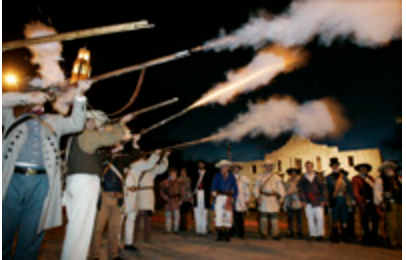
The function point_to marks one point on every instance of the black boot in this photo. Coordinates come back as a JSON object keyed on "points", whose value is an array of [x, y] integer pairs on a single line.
{"points": [[227, 236], [345, 236], [220, 235], [335, 237]]}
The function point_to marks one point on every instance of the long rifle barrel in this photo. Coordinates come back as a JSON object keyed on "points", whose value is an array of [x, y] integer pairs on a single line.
{"points": [[163, 122], [154, 62], [131, 26]]}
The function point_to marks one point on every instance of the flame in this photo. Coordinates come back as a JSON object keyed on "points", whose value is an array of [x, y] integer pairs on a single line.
{"points": [[234, 86], [246, 79]]}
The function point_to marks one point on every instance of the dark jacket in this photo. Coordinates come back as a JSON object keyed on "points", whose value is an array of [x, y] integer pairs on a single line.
{"points": [[363, 192], [207, 182], [331, 181], [311, 192]]}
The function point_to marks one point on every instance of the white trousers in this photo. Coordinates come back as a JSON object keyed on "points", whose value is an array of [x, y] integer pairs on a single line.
{"points": [[131, 214], [172, 220], [224, 218], [200, 214], [81, 196], [315, 220], [130, 228]]}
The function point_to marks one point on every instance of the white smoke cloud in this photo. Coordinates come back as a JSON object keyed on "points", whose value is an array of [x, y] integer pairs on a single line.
{"points": [[369, 23], [313, 119], [47, 55]]}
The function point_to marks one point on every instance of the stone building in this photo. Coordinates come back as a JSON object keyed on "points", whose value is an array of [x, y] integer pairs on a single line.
{"points": [[299, 150]]}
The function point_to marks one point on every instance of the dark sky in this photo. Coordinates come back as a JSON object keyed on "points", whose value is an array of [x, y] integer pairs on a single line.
{"points": [[367, 82]]}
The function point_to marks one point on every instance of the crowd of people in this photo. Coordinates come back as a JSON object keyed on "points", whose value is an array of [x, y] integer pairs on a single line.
{"points": [[102, 182], [332, 199]]}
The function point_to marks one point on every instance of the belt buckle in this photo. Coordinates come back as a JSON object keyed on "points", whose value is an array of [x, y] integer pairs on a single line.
{"points": [[31, 171]]}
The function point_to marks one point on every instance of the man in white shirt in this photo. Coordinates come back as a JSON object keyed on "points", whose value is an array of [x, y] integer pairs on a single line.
{"points": [[140, 198], [269, 192], [241, 205]]}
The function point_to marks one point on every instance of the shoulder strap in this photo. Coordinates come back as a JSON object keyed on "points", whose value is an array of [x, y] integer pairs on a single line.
{"points": [[199, 182], [141, 177], [338, 184], [114, 169], [264, 184], [24, 119]]}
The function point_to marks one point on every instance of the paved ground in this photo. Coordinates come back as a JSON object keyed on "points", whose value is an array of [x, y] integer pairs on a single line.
{"points": [[189, 246]]}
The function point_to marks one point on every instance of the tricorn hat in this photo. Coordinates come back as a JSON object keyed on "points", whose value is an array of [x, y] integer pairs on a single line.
{"points": [[293, 170], [334, 161], [98, 116], [224, 163], [366, 165]]}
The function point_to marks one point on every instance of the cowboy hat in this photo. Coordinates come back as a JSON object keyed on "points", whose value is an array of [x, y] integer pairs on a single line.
{"points": [[98, 116], [366, 165], [388, 164], [293, 170], [224, 163]]}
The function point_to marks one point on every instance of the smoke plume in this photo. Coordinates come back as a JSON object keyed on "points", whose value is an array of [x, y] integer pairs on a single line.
{"points": [[369, 23], [266, 65], [314, 119], [47, 55]]}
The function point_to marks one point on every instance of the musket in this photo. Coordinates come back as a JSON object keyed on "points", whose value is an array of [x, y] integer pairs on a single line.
{"points": [[147, 64], [69, 36], [163, 122], [147, 109], [191, 143], [63, 86]]}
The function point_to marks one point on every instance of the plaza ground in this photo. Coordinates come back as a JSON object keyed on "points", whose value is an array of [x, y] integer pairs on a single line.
{"points": [[189, 246]]}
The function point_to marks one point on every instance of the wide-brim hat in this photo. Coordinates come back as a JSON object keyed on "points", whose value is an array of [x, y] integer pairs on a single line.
{"points": [[223, 163], [293, 170], [366, 165], [334, 161], [388, 164], [98, 116]]}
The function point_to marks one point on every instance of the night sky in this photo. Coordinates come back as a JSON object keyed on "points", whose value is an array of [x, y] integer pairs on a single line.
{"points": [[367, 82]]}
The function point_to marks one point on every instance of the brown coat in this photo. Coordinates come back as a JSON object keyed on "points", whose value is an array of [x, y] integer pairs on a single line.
{"points": [[173, 193]]}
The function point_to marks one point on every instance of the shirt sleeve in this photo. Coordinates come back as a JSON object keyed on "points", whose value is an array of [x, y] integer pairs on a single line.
{"points": [[257, 187], [161, 168], [281, 190], [322, 190], [90, 141], [247, 190], [301, 191], [235, 188], [76, 121], [214, 186], [145, 165], [350, 190], [378, 191]]}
